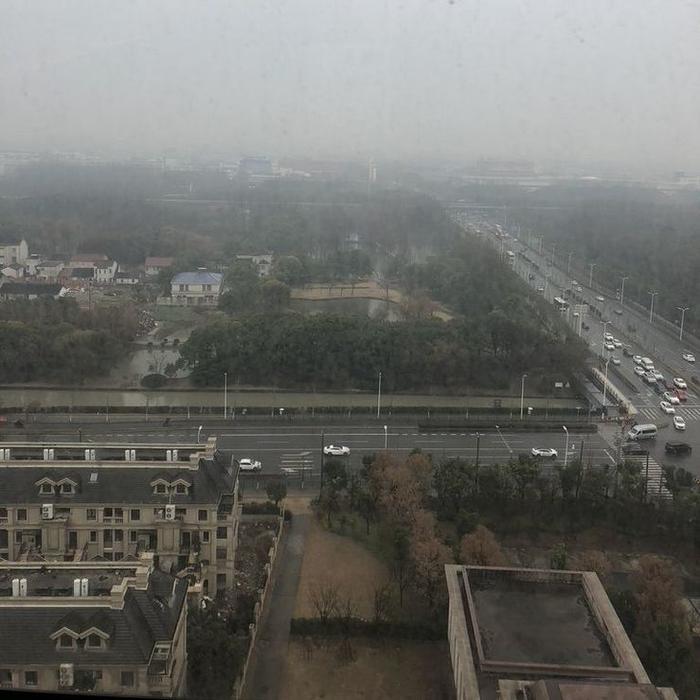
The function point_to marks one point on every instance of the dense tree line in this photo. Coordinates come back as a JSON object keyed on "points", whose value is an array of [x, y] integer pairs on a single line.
{"points": [[647, 234], [329, 351], [55, 340], [420, 514]]}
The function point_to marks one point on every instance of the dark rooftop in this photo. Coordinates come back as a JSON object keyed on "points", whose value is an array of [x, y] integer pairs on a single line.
{"points": [[58, 582], [116, 484], [537, 622], [148, 616]]}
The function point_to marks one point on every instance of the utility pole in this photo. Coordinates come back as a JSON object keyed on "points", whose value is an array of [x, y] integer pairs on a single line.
{"points": [[323, 440], [476, 463], [379, 394], [225, 393], [651, 307], [682, 309], [522, 395], [590, 276], [622, 291]]}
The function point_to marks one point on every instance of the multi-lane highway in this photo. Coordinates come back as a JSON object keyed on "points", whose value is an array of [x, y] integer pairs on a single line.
{"points": [[281, 446], [633, 329]]}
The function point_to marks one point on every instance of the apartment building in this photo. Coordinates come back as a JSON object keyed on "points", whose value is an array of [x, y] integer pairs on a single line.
{"points": [[93, 627], [85, 502]]}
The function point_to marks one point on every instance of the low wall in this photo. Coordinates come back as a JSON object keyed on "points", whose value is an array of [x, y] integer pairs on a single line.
{"points": [[263, 592]]}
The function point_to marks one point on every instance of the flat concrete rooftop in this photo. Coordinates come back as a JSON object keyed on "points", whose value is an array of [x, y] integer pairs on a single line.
{"points": [[537, 622]]}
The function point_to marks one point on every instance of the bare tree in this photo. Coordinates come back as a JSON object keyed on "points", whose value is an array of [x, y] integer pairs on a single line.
{"points": [[325, 600], [382, 602]]}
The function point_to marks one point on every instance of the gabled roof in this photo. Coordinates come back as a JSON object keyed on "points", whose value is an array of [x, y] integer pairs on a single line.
{"points": [[89, 257], [199, 277], [26, 289], [117, 485], [159, 262], [147, 617]]}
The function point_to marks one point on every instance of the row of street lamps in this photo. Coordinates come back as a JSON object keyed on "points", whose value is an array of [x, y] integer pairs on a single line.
{"points": [[623, 279]]}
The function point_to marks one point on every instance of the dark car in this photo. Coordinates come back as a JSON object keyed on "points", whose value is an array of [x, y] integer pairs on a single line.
{"points": [[633, 448], [678, 448], [627, 351]]}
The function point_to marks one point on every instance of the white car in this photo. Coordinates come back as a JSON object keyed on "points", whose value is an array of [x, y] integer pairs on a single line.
{"points": [[680, 383], [678, 423], [610, 346], [666, 407], [599, 298], [689, 357], [615, 360], [639, 370], [607, 337], [544, 452], [671, 398], [249, 465], [637, 359], [336, 450], [658, 375], [617, 343]]}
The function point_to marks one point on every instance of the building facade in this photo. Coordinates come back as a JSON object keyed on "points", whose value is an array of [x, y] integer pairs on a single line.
{"points": [[200, 288], [111, 629], [14, 253], [105, 272], [78, 502]]}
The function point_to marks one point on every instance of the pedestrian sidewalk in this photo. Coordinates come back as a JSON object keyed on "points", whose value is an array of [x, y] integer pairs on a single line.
{"points": [[267, 662]]}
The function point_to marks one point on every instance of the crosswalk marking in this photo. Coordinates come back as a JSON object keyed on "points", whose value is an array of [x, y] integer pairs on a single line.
{"points": [[656, 487], [687, 413]]}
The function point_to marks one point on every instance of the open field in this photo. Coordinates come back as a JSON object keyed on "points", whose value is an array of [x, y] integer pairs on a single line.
{"points": [[331, 559], [366, 289], [391, 669]]}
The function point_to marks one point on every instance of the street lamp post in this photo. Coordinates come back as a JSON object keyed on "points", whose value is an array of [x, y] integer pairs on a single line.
{"points": [[682, 309], [566, 451], [379, 394], [605, 382], [199, 432], [386, 437], [522, 395], [651, 307], [602, 342], [590, 276], [622, 291], [225, 393]]}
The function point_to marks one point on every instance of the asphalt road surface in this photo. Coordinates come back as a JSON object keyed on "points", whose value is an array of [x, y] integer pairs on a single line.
{"points": [[281, 446]]}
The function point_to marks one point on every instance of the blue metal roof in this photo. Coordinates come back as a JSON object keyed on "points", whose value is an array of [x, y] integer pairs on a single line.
{"points": [[199, 277]]}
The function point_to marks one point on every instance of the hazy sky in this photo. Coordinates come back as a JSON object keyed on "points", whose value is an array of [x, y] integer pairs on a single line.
{"points": [[613, 80]]}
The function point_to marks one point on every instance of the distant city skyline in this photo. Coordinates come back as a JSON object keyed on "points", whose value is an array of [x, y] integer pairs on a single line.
{"points": [[420, 79]]}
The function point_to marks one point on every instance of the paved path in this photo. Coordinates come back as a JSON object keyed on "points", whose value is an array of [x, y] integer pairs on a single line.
{"points": [[265, 674]]}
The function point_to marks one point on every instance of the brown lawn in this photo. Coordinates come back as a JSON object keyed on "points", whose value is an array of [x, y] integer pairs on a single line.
{"points": [[380, 670]]}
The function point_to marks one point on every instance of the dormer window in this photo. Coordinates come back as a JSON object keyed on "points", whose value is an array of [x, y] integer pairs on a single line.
{"points": [[65, 641], [181, 488], [94, 641], [46, 488], [67, 488], [160, 488]]}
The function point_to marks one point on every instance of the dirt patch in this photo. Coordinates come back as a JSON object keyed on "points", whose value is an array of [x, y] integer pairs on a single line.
{"points": [[331, 559], [409, 670]]}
